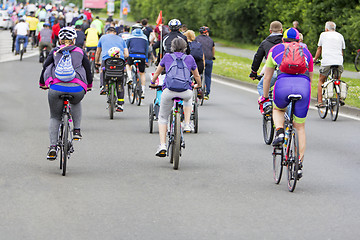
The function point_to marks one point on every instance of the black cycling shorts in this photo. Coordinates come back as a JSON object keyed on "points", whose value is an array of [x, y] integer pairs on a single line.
{"points": [[130, 61]]}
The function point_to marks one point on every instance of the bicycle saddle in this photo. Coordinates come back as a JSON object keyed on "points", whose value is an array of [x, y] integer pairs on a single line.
{"points": [[66, 96], [294, 97], [177, 99]]}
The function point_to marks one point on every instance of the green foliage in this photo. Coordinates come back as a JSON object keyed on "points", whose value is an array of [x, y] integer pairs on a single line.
{"points": [[248, 21]]}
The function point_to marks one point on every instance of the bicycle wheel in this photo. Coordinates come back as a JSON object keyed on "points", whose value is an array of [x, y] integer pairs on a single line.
{"points": [[292, 153], [21, 51], [278, 155], [203, 91], [60, 147], [151, 117], [323, 111], [268, 128], [357, 62], [66, 143], [92, 67], [112, 100], [171, 137], [195, 117], [334, 104], [176, 145], [138, 92]]}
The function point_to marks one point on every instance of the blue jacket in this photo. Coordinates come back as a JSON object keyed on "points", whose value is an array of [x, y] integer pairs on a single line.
{"points": [[137, 43]]}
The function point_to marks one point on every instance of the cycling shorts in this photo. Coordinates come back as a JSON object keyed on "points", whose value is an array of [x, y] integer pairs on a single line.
{"points": [[130, 61], [293, 85], [325, 70]]}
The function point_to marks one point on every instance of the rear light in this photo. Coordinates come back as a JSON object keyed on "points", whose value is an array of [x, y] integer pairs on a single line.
{"points": [[93, 58], [111, 67], [66, 102], [337, 82]]}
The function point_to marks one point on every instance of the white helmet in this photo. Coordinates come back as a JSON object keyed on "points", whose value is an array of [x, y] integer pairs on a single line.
{"points": [[114, 51], [68, 33], [174, 24]]}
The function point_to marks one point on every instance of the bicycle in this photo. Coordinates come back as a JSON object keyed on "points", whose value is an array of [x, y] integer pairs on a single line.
{"points": [[91, 55], [194, 117], [154, 107], [21, 47], [43, 55], [291, 148], [268, 124], [134, 86], [332, 90], [114, 75], [65, 137], [176, 139]]}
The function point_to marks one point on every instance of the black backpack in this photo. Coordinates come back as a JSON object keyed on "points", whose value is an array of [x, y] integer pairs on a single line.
{"points": [[196, 50]]}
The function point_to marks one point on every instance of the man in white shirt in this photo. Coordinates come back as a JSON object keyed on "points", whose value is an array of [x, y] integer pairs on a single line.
{"points": [[21, 31], [331, 47]]}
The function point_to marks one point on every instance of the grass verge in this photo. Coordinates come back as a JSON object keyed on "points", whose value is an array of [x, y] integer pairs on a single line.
{"points": [[239, 68]]}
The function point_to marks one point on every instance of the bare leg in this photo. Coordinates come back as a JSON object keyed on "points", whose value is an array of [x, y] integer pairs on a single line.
{"points": [[321, 82], [162, 133]]}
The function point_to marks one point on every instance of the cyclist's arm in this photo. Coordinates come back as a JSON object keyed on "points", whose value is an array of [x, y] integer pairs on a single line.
{"points": [[269, 71], [318, 53], [97, 55], [87, 66], [156, 74], [258, 57], [126, 52], [47, 62], [197, 77]]}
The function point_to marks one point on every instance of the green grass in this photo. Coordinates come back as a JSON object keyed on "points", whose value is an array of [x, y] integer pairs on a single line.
{"points": [[239, 68], [227, 43]]}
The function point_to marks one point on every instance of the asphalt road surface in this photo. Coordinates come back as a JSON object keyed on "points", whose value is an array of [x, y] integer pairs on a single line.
{"points": [[116, 188]]}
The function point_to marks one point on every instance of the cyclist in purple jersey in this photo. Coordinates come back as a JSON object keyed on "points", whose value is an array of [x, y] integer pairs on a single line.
{"points": [[285, 85]]}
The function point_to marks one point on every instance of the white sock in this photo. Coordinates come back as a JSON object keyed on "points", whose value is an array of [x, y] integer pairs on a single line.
{"points": [[143, 89], [129, 74]]}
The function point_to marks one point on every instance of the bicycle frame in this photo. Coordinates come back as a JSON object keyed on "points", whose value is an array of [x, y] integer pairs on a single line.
{"points": [[177, 108]]}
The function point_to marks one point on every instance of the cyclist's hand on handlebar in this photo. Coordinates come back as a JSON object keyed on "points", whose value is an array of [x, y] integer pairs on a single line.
{"points": [[253, 75], [98, 64], [262, 100], [316, 61]]}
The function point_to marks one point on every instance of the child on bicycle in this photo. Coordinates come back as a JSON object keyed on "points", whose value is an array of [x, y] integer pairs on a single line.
{"points": [[77, 87], [178, 48]]}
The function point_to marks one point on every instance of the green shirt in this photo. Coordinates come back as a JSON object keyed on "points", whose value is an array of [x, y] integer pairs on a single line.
{"points": [[99, 25]]}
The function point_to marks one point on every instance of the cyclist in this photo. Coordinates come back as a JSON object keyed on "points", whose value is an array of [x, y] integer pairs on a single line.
{"points": [[107, 42], [178, 47], [274, 38], [285, 85], [98, 25], [45, 41], [138, 46], [209, 51], [196, 50], [174, 26], [21, 31], [33, 22], [76, 87], [331, 47]]}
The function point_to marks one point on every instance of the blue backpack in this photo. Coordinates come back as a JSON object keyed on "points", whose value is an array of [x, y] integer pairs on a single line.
{"points": [[196, 50], [64, 70], [178, 75]]}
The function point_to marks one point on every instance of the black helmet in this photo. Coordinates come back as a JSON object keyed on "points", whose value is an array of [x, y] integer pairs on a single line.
{"points": [[204, 29]]}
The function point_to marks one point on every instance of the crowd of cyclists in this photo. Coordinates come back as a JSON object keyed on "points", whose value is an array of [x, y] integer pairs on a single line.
{"points": [[78, 32]]}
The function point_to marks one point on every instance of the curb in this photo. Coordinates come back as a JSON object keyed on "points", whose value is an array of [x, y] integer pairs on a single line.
{"points": [[352, 111], [12, 57]]}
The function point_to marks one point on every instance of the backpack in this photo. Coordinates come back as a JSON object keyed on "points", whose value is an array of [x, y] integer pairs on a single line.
{"points": [[64, 70], [293, 61], [178, 75], [196, 50]]}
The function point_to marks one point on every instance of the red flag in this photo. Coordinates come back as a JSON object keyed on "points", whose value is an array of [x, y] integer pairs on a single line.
{"points": [[159, 19]]}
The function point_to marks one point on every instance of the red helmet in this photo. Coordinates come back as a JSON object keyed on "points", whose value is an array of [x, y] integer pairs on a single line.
{"points": [[204, 29]]}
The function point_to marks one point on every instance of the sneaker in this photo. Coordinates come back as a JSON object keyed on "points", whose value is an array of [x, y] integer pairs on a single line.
{"points": [[300, 171], [320, 105], [161, 152], [188, 128], [102, 91], [77, 135], [206, 97], [142, 95], [342, 103], [52, 153], [279, 137], [16, 53], [120, 108]]}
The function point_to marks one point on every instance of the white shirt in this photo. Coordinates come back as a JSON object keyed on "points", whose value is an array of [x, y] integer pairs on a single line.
{"points": [[21, 28], [332, 44]]}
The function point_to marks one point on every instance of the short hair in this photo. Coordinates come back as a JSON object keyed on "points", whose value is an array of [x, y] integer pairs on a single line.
{"points": [[275, 26], [144, 22], [330, 26], [190, 34], [178, 45], [78, 26]]}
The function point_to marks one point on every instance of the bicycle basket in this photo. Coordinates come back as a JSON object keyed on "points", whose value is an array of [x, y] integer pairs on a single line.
{"points": [[343, 89], [114, 67], [328, 89]]}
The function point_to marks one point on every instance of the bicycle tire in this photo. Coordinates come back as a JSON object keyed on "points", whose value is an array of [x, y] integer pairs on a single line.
{"points": [[92, 67], [323, 111], [177, 142], [278, 155], [357, 62], [335, 105], [171, 137], [138, 92], [203, 92], [66, 145], [268, 128], [60, 147], [292, 153], [130, 93], [151, 117], [196, 118], [21, 51], [112, 100]]}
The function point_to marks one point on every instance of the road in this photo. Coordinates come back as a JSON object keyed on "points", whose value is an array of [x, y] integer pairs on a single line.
{"points": [[117, 189]]}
